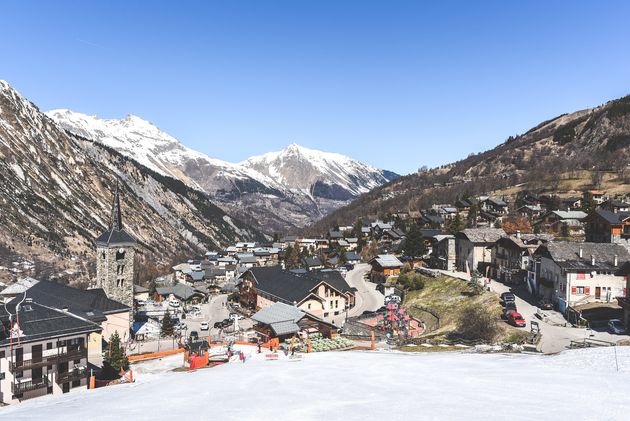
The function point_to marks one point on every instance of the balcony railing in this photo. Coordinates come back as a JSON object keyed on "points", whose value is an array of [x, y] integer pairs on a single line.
{"points": [[76, 374], [72, 354], [29, 385]]}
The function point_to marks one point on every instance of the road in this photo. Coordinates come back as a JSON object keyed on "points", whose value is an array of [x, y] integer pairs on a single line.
{"points": [[554, 338], [367, 297]]}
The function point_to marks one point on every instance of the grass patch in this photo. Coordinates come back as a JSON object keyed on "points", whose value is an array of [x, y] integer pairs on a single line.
{"points": [[450, 297]]}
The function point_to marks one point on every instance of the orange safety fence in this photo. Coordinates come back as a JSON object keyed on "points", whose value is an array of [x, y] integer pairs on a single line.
{"points": [[153, 355]]}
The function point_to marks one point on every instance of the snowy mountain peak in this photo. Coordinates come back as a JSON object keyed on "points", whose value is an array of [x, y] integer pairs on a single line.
{"points": [[308, 182]]}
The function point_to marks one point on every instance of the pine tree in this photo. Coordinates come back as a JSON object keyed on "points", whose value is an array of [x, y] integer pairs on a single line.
{"points": [[414, 243], [168, 327], [115, 355], [457, 224]]}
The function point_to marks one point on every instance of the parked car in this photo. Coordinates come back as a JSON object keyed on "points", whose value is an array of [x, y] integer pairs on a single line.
{"points": [[235, 316], [218, 325], [616, 327], [173, 303], [508, 297], [204, 326], [141, 302], [515, 319]]}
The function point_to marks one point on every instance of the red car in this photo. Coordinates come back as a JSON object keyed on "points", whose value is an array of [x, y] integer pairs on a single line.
{"points": [[515, 319]]}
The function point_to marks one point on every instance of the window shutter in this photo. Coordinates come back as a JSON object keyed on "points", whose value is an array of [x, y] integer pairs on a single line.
{"points": [[587, 290], [573, 290], [625, 292]]}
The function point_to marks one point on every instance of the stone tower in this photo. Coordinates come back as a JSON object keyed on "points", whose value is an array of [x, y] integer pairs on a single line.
{"points": [[114, 259]]}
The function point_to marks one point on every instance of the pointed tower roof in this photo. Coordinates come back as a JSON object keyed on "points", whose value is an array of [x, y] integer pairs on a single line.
{"points": [[115, 236]]}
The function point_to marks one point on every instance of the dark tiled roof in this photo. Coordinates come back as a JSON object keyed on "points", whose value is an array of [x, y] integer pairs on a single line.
{"points": [[39, 322], [285, 285], [91, 304], [481, 235], [612, 217], [567, 255], [333, 278], [429, 233], [115, 237], [312, 261], [290, 286], [350, 255]]}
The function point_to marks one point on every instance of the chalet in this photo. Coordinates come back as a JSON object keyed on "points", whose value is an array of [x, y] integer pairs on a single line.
{"points": [[89, 304], [287, 241], [334, 236], [615, 206], [596, 196], [312, 263], [553, 221], [45, 354], [573, 273], [493, 205], [431, 220], [379, 227], [353, 258], [140, 293], [530, 211], [353, 243], [322, 294], [247, 260], [472, 247], [284, 321], [243, 247], [510, 256], [182, 293], [604, 226], [428, 236], [384, 266]]}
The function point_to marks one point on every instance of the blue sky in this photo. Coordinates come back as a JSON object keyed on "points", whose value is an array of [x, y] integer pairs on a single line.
{"points": [[396, 84]]}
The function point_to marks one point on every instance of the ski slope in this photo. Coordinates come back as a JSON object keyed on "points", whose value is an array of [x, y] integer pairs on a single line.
{"points": [[575, 385]]}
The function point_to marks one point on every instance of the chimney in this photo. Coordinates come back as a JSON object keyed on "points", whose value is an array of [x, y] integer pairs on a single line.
{"points": [[592, 260], [580, 253], [518, 234], [616, 261], [30, 300]]}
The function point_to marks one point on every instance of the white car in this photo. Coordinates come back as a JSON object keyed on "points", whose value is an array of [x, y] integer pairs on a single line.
{"points": [[174, 304], [204, 326]]}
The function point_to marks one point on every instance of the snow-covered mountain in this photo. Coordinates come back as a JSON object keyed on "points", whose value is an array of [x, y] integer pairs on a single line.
{"points": [[277, 191], [55, 199], [321, 174]]}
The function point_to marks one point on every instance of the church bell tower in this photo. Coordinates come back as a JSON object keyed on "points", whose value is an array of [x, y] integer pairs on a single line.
{"points": [[115, 257]]}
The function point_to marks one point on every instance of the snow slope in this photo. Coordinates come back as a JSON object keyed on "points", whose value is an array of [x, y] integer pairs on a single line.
{"points": [[575, 385]]}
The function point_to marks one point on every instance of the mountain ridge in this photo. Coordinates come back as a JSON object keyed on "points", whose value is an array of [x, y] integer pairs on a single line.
{"points": [[56, 192], [546, 157], [275, 192]]}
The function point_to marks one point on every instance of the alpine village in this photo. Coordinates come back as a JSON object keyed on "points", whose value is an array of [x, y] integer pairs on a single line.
{"points": [[141, 279]]}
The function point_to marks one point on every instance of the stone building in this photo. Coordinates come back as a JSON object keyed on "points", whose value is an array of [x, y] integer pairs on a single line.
{"points": [[115, 259]]}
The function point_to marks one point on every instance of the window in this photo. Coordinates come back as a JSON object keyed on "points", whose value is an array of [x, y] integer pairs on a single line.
{"points": [[76, 383], [77, 361], [309, 306], [325, 314], [581, 276], [336, 303], [49, 367], [49, 345], [2, 354]]}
